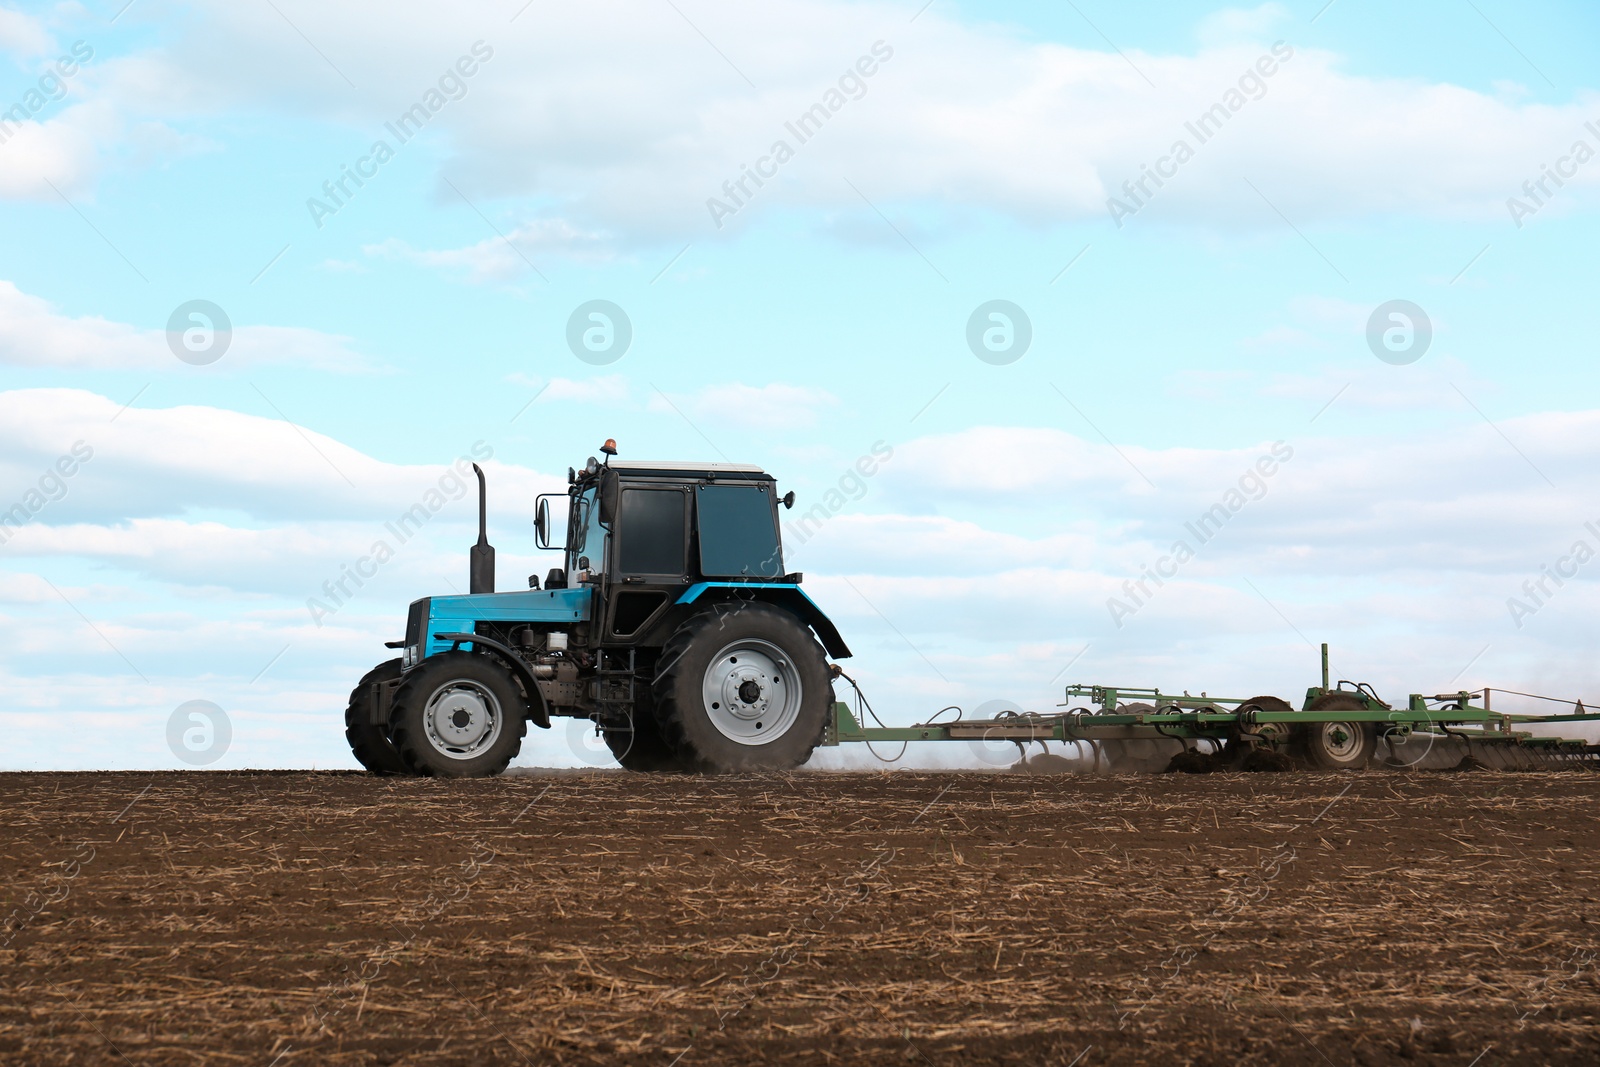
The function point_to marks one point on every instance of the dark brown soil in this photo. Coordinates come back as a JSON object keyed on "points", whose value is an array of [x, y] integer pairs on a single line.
{"points": [[588, 918]]}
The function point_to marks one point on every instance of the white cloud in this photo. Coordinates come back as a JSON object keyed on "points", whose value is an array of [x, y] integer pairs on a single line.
{"points": [[496, 260], [630, 141], [85, 111], [988, 462], [1433, 384], [607, 390], [22, 35], [292, 560], [62, 150], [24, 589], [896, 544], [1324, 326], [35, 333], [1462, 499], [162, 462]]}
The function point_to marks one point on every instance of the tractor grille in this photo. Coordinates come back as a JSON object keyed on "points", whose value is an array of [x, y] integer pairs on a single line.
{"points": [[417, 621]]}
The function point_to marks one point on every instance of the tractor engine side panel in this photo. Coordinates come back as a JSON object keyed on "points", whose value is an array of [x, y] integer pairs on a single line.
{"points": [[554, 608]]}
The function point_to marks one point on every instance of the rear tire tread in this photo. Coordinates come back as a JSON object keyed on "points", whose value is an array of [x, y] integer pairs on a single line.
{"points": [[639, 745]]}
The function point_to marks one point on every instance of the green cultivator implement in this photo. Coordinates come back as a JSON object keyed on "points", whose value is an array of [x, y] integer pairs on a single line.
{"points": [[1341, 727]]}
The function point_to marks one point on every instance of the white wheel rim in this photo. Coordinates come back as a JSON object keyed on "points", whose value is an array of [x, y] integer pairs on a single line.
{"points": [[1341, 740], [752, 692], [462, 719]]}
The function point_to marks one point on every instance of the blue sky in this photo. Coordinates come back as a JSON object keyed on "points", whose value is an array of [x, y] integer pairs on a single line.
{"points": [[830, 313]]}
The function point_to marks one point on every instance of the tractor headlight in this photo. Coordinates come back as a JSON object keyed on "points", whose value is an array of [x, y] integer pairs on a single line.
{"points": [[410, 657]]}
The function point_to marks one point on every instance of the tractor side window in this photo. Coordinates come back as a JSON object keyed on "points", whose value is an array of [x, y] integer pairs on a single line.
{"points": [[651, 526], [738, 532]]}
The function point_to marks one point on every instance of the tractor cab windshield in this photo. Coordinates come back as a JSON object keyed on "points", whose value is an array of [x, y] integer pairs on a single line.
{"points": [[586, 545]]}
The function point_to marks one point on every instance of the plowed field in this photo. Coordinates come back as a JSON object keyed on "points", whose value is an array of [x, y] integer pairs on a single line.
{"points": [[588, 918]]}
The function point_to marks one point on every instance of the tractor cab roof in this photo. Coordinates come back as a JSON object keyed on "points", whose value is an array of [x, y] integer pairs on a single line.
{"points": [[688, 469], [695, 470], [681, 465]]}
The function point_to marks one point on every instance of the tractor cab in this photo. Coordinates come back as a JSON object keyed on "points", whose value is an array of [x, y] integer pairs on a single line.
{"points": [[642, 534]]}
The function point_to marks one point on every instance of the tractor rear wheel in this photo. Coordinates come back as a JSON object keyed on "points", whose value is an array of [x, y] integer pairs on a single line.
{"points": [[369, 742], [1339, 746], [458, 715], [744, 690], [638, 744]]}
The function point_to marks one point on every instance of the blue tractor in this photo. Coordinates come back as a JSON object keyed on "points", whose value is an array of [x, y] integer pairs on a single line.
{"points": [[671, 625]]}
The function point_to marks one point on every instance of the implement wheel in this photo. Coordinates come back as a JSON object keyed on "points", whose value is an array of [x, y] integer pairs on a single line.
{"points": [[1338, 746], [1267, 703], [1266, 750], [369, 743], [743, 690], [458, 715]]}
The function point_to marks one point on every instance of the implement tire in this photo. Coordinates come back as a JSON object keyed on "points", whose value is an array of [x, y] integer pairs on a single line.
{"points": [[370, 743], [458, 715], [1338, 746], [746, 689]]}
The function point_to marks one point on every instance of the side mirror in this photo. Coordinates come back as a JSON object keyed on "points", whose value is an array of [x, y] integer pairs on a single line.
{"points": [[787, 499], [610, 496], [541, 522]]}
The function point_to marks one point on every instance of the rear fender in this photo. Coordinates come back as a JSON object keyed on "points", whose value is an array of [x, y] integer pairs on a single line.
{"points": [[727, 597]]}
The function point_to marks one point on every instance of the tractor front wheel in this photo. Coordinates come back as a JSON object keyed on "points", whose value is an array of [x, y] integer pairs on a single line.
{"points": [[743, 690], [458, 715], [369, 742]]}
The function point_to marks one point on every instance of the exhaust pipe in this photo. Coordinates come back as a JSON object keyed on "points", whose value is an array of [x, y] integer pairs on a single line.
{"points": [[480, 578]]}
